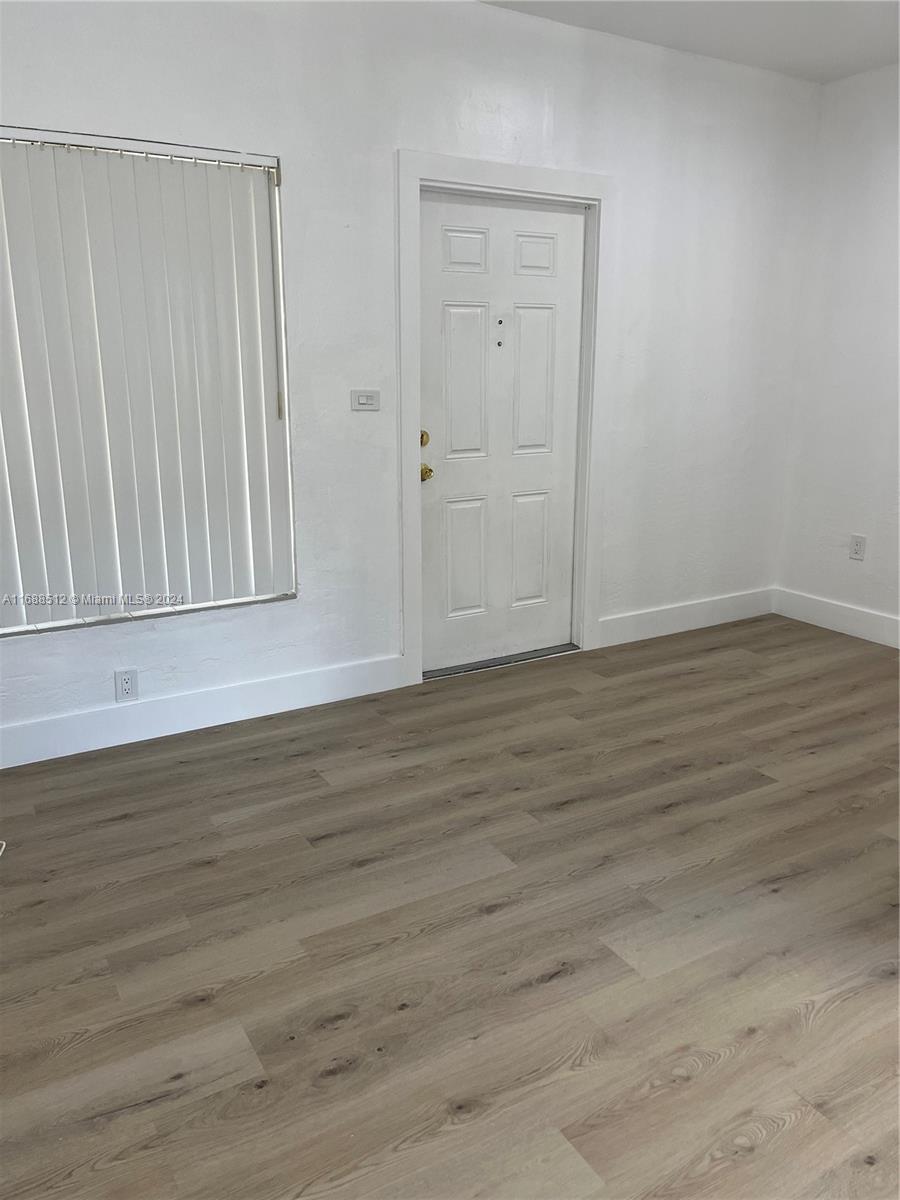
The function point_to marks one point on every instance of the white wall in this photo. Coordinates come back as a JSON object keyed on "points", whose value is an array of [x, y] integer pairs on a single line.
{"points": [[842, 468], [709, 157]]}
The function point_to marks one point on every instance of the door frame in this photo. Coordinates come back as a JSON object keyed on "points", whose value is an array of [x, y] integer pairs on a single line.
{"points": [[419, 172]]}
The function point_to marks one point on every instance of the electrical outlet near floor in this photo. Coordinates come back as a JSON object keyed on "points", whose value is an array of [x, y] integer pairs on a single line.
{"points": [[126, 685], [857, 547]]}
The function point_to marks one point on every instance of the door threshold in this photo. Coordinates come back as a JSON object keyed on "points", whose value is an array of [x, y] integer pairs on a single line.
{"points": [[487, 664]]}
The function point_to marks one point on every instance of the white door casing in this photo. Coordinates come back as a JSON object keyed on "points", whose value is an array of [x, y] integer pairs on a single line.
{"points": [[501, 296]]}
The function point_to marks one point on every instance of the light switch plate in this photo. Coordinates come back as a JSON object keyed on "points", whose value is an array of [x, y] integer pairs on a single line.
{"points": [[365, 400]]}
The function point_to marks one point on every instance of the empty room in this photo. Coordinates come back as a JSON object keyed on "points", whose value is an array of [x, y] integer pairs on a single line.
{"points": [[449, 600]]}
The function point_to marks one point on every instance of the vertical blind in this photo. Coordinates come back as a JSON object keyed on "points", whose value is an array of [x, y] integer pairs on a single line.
{"points": [[144, 450]]}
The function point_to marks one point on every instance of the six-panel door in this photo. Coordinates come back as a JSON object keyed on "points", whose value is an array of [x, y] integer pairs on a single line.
{"points": [[501, 329]]}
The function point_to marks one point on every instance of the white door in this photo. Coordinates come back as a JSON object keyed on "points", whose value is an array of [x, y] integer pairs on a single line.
{"points": [[501, 340]]}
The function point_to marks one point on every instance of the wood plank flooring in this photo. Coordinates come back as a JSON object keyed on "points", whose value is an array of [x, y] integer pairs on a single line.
{"points": [[607, 926]]}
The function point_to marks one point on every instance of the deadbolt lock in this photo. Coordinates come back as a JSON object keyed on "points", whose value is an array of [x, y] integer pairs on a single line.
{"points": [[424, 437]]}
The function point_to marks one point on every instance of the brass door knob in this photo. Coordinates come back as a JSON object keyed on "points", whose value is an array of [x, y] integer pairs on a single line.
{"points": [[425, 472]]}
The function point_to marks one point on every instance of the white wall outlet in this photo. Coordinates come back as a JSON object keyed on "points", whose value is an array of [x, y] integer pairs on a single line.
{"points": [[857, 547], [126, 685]]}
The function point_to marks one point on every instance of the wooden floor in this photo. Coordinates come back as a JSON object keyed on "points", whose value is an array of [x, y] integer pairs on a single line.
{"points": [[612, 925]]}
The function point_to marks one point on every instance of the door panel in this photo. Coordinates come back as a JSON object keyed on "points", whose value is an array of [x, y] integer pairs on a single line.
{"points": [[501, 330], [535, 254], [530, 559], [465, 379], [534, 348], [464, 556]]}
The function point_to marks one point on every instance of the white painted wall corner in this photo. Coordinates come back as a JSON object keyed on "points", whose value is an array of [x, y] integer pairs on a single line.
{"points": [[851, 619]]}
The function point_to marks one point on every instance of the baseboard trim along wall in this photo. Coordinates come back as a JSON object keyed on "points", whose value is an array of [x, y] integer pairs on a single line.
{"points": [[159, 716], [863, 623], [679, 618]]}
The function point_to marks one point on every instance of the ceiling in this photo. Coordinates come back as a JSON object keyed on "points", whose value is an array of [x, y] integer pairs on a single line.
{"points": [[819, 40]]}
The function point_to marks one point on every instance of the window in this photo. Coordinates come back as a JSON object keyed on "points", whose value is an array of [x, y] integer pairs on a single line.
{"points": [[145, 464]]}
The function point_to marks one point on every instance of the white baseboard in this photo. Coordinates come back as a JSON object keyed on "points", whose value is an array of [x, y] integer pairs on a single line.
{"points": [[118, 724], [843, 618], [678, 618]]}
